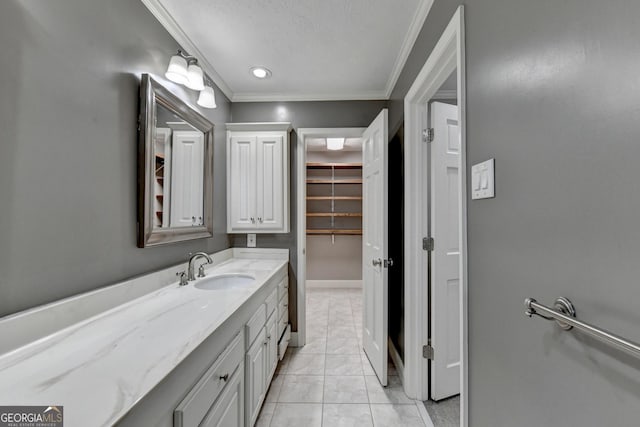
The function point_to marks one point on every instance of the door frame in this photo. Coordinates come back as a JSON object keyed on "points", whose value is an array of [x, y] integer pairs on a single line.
{"points": [[447, 55], [298, 338]]}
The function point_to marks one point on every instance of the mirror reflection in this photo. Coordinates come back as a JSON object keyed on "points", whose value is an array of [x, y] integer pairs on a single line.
{"points": [[179, 172], [175, 169]]}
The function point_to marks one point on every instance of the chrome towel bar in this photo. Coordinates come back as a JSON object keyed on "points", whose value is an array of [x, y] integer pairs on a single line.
{"points": [[564, 314]]}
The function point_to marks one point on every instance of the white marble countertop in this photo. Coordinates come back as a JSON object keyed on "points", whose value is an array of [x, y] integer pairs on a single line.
{"points": [[101, 367]]}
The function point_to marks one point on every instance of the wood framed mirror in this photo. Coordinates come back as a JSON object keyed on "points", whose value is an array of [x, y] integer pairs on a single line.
{"points": [[175, 169]]}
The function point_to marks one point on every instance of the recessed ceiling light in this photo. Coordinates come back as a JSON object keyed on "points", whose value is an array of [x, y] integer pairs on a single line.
{"points": [[261, 72], [335, 143]]}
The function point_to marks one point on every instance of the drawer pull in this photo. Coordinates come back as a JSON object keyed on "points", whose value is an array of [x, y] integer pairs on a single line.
{"points": [[286, 305], [224, 377], [269, 337]]}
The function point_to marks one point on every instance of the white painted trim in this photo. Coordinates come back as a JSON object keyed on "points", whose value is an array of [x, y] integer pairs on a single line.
{"points": [[259, 127], [166, 20], [407, 45], [301, 211], [294, 340], [447, 55], [334, 284], [424, 414], [397, 360], [329, 96]]}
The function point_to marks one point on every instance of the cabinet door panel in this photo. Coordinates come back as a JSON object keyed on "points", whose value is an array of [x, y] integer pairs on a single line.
{"points": [[255, 378], [242, 188], [187, 175], [229, 409], [271, 176], [272, 348]]}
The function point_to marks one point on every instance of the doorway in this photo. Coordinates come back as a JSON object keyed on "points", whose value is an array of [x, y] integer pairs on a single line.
{"points": [[370, 200], [435, 224], [329, 214]]}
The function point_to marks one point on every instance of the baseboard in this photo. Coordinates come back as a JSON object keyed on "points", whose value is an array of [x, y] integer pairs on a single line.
{"points": [[424, 414], [397, 360], [344, 284], [294, 339]]}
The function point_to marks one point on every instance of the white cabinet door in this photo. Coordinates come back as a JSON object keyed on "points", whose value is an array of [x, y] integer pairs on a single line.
{"points": [[272, 348], [187, 178], [271, 178], [242, 183], [255, 377], [228, 410]]}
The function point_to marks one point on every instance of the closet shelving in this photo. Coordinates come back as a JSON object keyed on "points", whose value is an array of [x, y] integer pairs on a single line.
{"points": [[334, 198], [159, 173]]}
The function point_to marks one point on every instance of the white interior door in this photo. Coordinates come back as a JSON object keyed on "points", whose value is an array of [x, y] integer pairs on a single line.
{"points": [[187, 179], [374, 244], [445, 257], [271, 167]]}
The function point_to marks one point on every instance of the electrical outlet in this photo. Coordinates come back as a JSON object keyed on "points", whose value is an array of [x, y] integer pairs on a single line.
{"points": [[251, 240]]}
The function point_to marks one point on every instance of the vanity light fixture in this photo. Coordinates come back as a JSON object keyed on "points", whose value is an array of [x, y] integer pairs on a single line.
{"points": [[184, 69], [260, 72], [335, 144]]}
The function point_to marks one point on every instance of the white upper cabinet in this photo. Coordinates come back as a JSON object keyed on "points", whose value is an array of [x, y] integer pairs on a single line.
{"points": [[258, 177]]}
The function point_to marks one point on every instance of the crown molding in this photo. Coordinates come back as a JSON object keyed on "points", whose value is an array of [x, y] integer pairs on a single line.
{"points": [[407, 45], [283, 97], [261, 126], [166, 20]]}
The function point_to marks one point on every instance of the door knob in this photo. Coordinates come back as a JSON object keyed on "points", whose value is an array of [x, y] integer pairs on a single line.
{"points": [[377, 262]]}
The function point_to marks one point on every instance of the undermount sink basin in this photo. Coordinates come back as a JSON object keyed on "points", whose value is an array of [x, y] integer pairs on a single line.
{"points": [[226, 281]]}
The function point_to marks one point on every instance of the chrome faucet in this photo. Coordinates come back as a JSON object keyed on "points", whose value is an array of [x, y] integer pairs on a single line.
{"points": [[191, 270]]}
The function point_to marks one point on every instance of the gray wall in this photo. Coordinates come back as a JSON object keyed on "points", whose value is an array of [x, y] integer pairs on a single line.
{"points": [[68, 114], [301, 115], [552, 94]]}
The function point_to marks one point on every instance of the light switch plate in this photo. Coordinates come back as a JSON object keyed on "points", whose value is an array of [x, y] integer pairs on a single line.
{"points": [[483, 180], [251, 240]]}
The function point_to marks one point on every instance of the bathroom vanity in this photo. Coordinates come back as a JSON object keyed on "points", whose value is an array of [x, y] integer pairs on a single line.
{"points": [[200, 354]]}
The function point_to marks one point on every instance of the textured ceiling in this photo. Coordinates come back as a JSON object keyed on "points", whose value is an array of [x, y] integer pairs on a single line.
{"points": [[316, 49]]}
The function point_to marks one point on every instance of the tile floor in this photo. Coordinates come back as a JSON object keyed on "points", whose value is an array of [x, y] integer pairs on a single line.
{"points": [[329, 382]]}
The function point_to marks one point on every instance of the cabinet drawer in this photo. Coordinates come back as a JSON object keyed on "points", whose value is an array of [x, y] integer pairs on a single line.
{"points": [[283, 305], [284, 342], [272, 302], [195, 406], [283, 287], [254, 326], [283, 322]]}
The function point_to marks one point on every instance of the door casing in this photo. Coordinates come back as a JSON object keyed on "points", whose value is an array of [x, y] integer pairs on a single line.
{"points": [[447, 56]]}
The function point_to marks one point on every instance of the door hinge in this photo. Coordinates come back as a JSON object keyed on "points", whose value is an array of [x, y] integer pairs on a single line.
{"points": [[427, 351], [427, 135], [428, 244]]}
